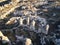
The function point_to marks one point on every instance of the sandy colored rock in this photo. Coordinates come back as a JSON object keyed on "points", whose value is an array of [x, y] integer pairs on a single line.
{"points": [[28, 41]]}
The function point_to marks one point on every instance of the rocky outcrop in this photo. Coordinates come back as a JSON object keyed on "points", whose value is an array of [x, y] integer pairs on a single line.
{"points": [[37, 21]]}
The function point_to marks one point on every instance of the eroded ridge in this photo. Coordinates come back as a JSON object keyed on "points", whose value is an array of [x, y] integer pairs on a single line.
{"points": [[7, 8], [2, 0]]}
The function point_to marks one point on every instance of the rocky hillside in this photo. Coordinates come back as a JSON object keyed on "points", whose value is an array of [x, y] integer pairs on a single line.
{"points": [[36, 21]]}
